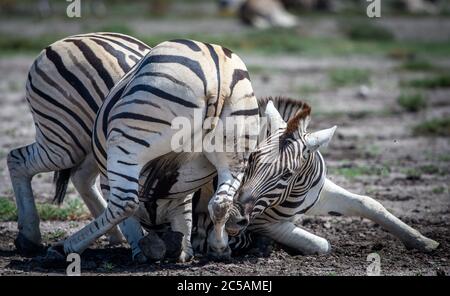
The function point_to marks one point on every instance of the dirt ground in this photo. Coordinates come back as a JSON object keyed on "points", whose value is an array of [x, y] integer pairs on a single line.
{"points": [[374, 152]]}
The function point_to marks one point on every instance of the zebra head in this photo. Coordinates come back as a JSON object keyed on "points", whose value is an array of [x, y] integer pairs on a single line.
{"points": [[285, 170]]}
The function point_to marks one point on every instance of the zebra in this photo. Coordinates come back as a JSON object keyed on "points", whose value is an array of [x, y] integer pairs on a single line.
{"points": [[279, 187], [66, 85], [132, 132]]}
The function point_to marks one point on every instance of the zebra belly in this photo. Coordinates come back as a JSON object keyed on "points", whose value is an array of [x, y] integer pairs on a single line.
{"points": [[172, 189]]}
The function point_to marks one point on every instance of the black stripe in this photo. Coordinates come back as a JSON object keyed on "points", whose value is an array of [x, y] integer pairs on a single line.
{"points": [[192, 65], [161, 94], [117, 205], [135, 116], [61, 106], [131, 138], [124, 198], [142, 46], [189, 43], [123, 150], [58, 123], [164, 75], [238, 75], [71, 78], [120, 56], [95, 62], [215, 58], [126, 47], [124, 190], [60, 146], [126, 163], [249, 112], [138, 102], [48, 156], [131, 179], [109, 105]]}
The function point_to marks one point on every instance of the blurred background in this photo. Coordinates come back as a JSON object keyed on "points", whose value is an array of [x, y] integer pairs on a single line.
{"points": [[384, 81]]}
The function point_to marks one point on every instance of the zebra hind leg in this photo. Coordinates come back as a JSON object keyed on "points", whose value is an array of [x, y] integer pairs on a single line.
{"points": [[335, 200], [23, 164], [295, 238], [83, 178], [130, 228], [181, 221]]}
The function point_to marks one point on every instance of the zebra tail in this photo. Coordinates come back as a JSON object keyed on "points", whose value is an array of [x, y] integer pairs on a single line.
{"points": [[61, 180]]}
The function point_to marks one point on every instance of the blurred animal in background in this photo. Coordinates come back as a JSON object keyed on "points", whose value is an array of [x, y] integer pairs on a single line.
{"points": [[260, 13], [417, 6]]}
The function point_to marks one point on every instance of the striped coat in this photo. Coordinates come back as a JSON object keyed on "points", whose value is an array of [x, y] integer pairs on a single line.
{"points": [[66, 85]]}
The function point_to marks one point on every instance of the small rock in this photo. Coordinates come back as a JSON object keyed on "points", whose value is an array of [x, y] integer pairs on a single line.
{"points": [[327, 225]]}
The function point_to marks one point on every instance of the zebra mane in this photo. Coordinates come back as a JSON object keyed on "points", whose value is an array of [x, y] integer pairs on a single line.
{"points": [[295, 112]]}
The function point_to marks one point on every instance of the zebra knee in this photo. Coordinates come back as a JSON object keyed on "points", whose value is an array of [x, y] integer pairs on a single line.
{"points": [[16, 164], [123, 207]]}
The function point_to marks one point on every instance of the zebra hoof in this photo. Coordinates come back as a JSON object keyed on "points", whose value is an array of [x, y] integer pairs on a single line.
{"points": [[173, 242], [185, 256], [26, 247], [54, 258], [152, 247], [140, 258], [424, 245]]}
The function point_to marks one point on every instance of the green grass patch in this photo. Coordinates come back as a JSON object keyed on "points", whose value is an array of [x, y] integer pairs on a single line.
{"points": [[412, 173], [55, 235], [270, 41], [72, 210], [438, 81], [411, 102], [417, 65], [19, 44], [349, 76], [433, 127], [357, 171], [7, 210], [117, 28], [108, 266], [438, 190], [307, 89], [366, 30]]}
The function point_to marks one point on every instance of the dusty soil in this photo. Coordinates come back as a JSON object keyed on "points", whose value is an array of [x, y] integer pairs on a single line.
{"points": [[373, 133]]}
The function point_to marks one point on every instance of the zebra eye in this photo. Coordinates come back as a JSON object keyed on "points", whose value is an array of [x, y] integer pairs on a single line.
{"points": [[286, 175]]}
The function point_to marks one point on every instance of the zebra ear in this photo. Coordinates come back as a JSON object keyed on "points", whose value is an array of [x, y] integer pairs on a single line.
{"points": [[274, 118], [314, 141]]}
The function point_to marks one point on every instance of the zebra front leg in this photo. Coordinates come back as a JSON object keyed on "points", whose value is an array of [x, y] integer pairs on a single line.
{"points": [[219, 208], [292, 236], [336, 200]]}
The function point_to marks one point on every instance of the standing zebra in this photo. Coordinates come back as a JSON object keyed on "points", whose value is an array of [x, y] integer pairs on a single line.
{"points": [[278, 187], [66, 85], [133, 131]]}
